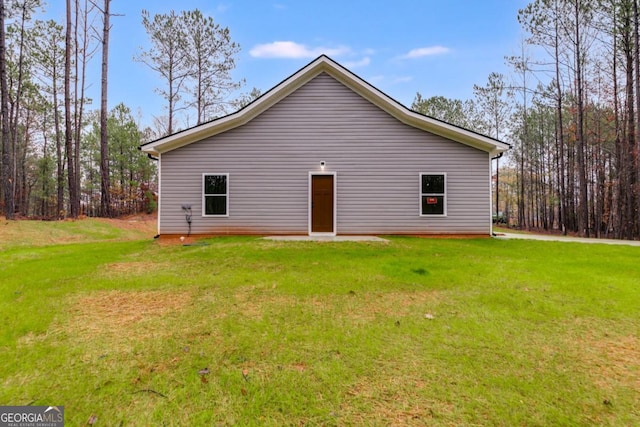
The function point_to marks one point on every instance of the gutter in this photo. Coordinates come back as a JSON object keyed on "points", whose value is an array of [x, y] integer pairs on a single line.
{"points": [[148, 154]]}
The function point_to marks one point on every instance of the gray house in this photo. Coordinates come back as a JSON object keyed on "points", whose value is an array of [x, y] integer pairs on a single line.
{"points": [[325, 153]]}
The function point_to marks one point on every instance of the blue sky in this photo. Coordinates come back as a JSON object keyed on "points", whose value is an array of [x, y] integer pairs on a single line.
{"points": [[435, 47]]}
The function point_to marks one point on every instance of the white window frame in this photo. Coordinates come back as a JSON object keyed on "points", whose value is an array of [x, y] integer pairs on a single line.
{"points": [[421, 195], [204, 196]]}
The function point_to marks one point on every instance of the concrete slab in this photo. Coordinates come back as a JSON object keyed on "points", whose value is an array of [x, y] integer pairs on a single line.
{"points": [[327, 238], [555, 238]]}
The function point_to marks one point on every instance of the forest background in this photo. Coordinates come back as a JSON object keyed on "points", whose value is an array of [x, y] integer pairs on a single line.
{"points": [[570, 107]]}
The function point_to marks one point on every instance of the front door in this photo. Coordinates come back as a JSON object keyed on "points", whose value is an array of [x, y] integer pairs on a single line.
{"points": [[322, 200]]}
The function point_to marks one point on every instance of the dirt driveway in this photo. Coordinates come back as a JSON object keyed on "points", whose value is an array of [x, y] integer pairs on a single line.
{"points": [[553, 238]]}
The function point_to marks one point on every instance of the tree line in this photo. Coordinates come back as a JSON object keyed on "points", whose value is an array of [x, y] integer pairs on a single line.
{"points": [[571, 108], [60, 157]]}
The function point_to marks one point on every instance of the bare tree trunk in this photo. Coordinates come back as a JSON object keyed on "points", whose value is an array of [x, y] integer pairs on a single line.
{"points": [[22, 196], [626, 201], [583, 208], [560, 131], [44, 203], [7, 152], [171, 99], [68, 131], [522, 222], [77, 100], [60, 159], [616, 214], [16, 108], [636, 148], [105, 184], [199, 99], [82, 57], [551, 190]]}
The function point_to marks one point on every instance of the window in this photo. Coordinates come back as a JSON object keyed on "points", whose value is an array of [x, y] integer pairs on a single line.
{"points": [[433, 194], [215, 194]]}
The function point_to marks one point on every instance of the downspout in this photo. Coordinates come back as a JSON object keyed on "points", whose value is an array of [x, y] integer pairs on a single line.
{"points": [[497, 159], [187, 216], [154, 159]]}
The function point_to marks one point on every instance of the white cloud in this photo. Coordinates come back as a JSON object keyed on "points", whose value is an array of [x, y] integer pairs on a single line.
{"points": [[289, 49], [279, 6], [388, 80], [426, 51], [355, 64], [402, 79], [222, 8]]}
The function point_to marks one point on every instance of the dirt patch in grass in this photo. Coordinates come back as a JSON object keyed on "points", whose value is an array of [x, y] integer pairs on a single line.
{"points": [[177, 240], [144, 223], [118, 312], [394, 304], [393, 401], [132, 268], [353, 306], [184, 240], [613, 361]]}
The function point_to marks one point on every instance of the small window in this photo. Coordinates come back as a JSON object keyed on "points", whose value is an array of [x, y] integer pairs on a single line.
{"points": [[215, 194], [433, 194]]}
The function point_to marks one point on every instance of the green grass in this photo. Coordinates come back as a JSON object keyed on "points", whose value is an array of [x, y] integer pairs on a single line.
{"points": [[44, 233], [413, 332]]}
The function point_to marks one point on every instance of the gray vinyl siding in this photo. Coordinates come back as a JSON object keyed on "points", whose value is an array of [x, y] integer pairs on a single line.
{"points": [[376, 157]]}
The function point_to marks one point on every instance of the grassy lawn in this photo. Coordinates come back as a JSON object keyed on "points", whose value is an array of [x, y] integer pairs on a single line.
{"points": [[239, 331]]}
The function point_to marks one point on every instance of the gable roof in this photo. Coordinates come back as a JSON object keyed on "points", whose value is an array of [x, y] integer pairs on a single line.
{"points": [[325, 64]]}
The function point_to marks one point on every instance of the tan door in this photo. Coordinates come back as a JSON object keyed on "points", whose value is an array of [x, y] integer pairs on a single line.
{"points": [[322, 203]]}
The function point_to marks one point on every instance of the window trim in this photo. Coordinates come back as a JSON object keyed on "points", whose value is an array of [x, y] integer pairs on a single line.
{"points": [[204, 196], [421, 195]]}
